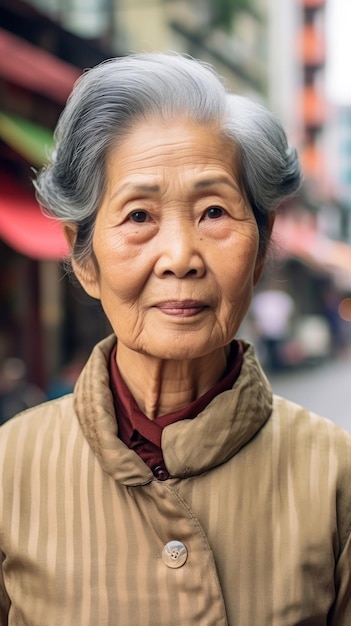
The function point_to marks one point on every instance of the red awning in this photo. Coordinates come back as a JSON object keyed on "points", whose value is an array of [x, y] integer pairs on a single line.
{"points": [[24, 227], [34, 69], [300, 238]]}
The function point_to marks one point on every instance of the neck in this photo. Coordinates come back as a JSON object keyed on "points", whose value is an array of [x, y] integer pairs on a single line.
{"points": [[164, 386]]}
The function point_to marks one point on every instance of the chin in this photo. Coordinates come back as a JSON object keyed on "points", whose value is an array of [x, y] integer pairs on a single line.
{"points": [[182, 349]]}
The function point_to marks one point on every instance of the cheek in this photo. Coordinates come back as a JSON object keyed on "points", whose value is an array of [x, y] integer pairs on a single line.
{"points": [[119, 284], [122, 271], [237, 274]]}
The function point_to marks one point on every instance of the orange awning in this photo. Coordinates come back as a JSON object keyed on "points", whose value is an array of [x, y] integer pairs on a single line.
{"points": [[312, 46], [313, 106], [25, 228], [312, 160]]}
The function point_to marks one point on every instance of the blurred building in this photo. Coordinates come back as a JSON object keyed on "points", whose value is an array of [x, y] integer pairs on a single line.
{"points": [[313, 229], [230, 35], [339, 95], [92, 20], [313, 106], [297, 80], [40, 320], [339, 143]]}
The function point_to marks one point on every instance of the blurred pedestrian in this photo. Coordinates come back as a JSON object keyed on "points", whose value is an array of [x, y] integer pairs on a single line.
{"points": [[273, 314]]}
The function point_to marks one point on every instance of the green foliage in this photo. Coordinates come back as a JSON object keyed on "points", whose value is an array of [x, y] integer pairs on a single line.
{"points": [[224, 11]]}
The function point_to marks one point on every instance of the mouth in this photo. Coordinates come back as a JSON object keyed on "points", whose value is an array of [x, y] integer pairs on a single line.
{"points": [[182, 308]]}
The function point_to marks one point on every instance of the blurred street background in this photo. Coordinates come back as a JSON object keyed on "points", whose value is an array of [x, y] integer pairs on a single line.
{"points": [[324, 389], [291, 55]]}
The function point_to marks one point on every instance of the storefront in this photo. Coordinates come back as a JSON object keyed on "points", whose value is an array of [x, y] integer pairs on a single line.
{"points": [[45, 321]]}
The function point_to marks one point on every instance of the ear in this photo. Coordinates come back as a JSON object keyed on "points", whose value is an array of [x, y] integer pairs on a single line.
{"points": [[261, 258], [87, 274], [70, 232]]}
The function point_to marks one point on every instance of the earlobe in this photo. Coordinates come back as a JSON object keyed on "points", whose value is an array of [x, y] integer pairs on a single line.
{"points": [[87, 273], [88, 277]]}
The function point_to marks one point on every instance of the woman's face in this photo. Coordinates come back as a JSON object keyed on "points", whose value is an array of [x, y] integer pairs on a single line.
{"points": [[175, 242]]}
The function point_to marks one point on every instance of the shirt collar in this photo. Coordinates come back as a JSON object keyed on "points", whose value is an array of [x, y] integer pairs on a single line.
{"points": [[130, 416], [226, 424]]}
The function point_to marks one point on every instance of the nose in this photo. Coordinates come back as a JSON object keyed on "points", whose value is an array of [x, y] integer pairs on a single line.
{"points": [[180, 252]]}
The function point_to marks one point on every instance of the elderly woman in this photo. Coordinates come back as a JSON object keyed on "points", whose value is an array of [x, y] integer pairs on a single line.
{"points": [[171, 488]]}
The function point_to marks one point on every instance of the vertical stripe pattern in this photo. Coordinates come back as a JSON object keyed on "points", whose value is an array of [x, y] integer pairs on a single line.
{"points": [[266, 528]]}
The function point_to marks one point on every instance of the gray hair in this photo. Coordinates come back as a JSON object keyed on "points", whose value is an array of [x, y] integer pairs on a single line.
{"points": [[109, 99]]}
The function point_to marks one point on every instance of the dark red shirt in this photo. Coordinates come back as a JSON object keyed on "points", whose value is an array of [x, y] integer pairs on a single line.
{"points": [[143, 435]]}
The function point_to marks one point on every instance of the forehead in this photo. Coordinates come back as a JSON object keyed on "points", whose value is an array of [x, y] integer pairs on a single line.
{"points": [[178, 144]]}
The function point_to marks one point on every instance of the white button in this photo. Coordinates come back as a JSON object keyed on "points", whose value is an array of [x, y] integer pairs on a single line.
{"points": [[174, 554]]}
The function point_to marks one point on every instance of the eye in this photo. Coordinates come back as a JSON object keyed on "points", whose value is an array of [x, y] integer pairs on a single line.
{"points": [[214, 212], [139, 217]]}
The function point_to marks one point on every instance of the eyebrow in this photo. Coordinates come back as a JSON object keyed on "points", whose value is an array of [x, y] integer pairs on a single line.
{"points": [[201, 184], [136, 188], [208, 182]]}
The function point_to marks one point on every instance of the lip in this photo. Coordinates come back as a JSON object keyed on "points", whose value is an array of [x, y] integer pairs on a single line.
{"points": [[181, 308]]}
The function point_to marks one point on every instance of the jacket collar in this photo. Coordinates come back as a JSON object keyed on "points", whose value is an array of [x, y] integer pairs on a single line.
{"points": [[189, 446]]}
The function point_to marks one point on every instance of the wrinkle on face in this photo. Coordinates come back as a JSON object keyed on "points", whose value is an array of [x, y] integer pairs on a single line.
{"points": [[172, 174]]}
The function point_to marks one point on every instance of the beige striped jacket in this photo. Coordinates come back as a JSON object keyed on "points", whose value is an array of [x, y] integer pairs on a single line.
{"points": [[253, 528]]}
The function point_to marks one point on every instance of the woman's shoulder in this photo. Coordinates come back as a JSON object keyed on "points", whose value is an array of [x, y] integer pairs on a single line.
{"points": [[314, 455], [32, 417], [36, 428], [305, 435], [33, 444], [291, 415]]}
